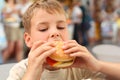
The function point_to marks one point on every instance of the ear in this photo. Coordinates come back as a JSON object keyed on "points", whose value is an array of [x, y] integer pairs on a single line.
{"points": [[28, 39]]}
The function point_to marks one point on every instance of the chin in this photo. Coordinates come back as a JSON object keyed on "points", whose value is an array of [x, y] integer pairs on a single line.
{"points": [[59, 59]]}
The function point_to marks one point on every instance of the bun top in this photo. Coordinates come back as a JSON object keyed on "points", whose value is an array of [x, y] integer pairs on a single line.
{"points": [[60, 55]]}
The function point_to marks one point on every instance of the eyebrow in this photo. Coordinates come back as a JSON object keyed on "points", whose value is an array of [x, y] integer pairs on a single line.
{"points": [[61, 21], [44, 23]]}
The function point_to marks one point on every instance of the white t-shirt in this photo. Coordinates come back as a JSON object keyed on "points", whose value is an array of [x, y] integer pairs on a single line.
{"points": [[17, 72]]}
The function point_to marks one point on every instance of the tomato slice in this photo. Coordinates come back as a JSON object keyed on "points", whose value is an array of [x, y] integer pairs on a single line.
{"points": [[51, 61]]}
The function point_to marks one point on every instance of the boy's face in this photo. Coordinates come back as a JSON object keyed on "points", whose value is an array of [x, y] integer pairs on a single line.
{"points": [[47, 27]]}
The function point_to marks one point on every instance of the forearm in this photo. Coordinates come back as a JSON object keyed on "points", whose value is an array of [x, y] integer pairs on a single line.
{"points": [[28, 77], [111, 69], [31, 75]]}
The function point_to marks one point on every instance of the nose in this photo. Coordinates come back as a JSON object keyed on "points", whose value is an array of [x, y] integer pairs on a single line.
{"points": [[54, 35]]}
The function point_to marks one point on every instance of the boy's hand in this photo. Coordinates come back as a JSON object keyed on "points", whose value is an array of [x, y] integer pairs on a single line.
{"points": [[83, 59], [36, 58]]}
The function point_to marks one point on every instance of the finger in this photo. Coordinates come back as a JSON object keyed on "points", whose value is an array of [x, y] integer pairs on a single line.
{"points": [[68, 45], [37, 44], [37, 52], [80, 54], [52, 44], [43, 56], [72, 47], [79, 47], [72, 50], [70, 41], [41, 46]]}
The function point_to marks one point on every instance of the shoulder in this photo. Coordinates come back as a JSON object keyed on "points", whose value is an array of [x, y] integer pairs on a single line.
{"points": [[21, 64], [18, 70]]}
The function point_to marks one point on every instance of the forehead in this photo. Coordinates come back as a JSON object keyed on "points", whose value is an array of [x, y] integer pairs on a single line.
{"points": [[41, 14]]}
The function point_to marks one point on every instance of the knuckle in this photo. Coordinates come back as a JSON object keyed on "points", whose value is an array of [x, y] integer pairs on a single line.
{"points": [[31, 57], [43, 48], [74, 40]]}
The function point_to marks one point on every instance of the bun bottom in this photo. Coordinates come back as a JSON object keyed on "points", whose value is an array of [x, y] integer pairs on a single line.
{"points": [[63, 64], [59, 64]]}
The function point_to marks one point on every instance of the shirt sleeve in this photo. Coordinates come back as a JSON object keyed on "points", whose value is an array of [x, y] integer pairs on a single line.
{"points": [[87, 74], [17, 71]]}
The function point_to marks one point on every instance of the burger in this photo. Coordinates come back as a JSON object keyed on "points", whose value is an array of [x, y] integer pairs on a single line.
{"points": [[59, 59]]}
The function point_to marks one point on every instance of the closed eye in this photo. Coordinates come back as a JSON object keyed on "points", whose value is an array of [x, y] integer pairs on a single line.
{"points": [[43, 30], [61, 28]]}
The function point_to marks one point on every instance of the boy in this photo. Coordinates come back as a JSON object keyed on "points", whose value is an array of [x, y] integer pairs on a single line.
{"points": [[44, 23]]}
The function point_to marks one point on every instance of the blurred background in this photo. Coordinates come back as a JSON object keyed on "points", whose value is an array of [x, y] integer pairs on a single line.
{"points": [[90, 23]]}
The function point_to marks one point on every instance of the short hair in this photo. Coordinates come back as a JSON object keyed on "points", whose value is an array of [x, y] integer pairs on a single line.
{"points": [[50, 6]]}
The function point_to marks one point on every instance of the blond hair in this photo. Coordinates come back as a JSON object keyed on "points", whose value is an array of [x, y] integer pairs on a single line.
{"points": [[50, 6]]}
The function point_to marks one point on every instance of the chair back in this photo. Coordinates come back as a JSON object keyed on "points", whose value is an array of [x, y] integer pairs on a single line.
{"points": [[107, 52], [4, 70]]}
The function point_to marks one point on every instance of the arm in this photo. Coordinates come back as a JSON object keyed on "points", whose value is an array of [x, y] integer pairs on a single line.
{"points": [[85, 60], [110, 69]]}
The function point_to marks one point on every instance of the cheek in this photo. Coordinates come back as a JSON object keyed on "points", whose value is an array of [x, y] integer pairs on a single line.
{"points": [[65, 35], [39, 36]]}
